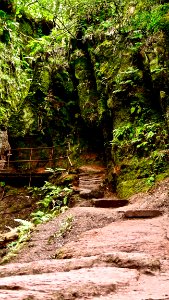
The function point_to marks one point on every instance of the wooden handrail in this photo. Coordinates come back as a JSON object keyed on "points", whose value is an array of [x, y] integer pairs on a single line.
{"points": [[37, 148], [37, 160], [28, 160], [31, 155]]}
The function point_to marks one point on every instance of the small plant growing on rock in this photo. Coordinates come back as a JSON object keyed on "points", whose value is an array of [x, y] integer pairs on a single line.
{"points": [[42, 217], [55, 196], [53, 200], [65, 227], [23, 232]]}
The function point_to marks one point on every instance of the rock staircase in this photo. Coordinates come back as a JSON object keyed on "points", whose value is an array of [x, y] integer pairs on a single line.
{"points": [[91, 180], [91, 189]]}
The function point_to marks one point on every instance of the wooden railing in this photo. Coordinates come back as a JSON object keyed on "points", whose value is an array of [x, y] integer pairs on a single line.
{"points": [[32, 154], [31, 158]]}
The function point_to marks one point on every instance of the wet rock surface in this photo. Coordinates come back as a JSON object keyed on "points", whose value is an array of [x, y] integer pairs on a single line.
{"points": [[109, 253]]}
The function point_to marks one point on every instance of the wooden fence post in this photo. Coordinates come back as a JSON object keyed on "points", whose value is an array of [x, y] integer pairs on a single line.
{"points": [[31, 151]]}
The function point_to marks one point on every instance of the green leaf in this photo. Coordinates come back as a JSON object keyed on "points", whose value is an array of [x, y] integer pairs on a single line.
{"points": [[139, 109], [132, 110]]}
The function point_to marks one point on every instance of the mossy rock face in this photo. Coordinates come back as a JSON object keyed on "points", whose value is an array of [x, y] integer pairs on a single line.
{"points": [[65, 179], [139, 174], [87, 90], [125, 189], [88, 102], [26, 26], [163, 175], [110, 76], [45, 79], [135, 168]]}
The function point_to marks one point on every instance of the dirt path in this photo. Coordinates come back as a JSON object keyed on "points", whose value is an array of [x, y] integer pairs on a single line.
{"points": [[96, 253]]}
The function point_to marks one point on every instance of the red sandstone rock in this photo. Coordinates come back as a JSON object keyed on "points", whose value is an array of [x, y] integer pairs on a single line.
{"points": [[142, 213], [105, 257]]}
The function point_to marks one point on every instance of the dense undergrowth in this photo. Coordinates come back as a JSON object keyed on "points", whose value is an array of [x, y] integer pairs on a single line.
{"points": [[51, 200], [94, 74]]}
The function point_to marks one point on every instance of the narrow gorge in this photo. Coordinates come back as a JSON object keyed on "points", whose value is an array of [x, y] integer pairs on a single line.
{"points": [[84, 141]]}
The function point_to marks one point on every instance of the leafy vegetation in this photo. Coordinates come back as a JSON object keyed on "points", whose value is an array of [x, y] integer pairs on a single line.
{"points": [[24, 231], [83, 69], [140, 140], [91, 74], [53, 200], [65, 227]]}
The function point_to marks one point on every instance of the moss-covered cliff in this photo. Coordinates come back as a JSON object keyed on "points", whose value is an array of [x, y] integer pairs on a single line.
{"points": [[96, 73]]}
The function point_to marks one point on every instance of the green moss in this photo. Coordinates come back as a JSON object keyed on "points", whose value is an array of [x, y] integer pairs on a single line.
{"points": [[26, 27], [139, 174], [88, 102], [162, 176], [127, 188], [87, 92], [44, 80], [136, 168], [65, 179]]}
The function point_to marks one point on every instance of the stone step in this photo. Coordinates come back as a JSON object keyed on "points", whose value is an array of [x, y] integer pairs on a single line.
{"points": [[90, 183], [91, 170], [89, 194], [90, 187], [87, 178], [109, 203], [142, 213], [86, 187], [90, 179], [83, 174]]}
